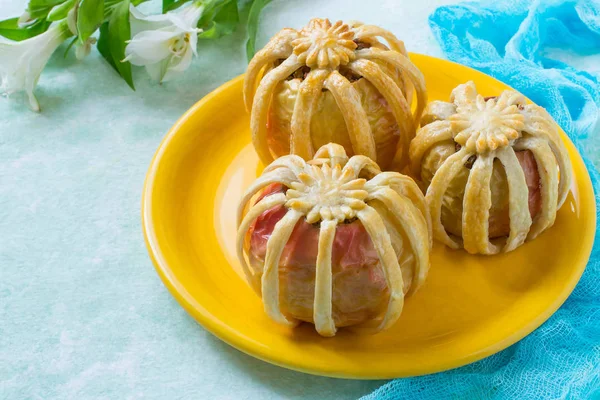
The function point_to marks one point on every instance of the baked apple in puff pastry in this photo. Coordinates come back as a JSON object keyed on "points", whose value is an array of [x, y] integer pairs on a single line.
{"points": [[334, 83], [495, 168], [333, 241]]}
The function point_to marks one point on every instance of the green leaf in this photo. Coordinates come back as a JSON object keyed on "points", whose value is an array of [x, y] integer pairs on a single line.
{"points": [[252, 26], [210, 8], [70, 46], [120, 32], [90, 15], [111, 44], [103, 45], [224, 21], [9, 28], [60, 11], [110, 5], [170, 5], [41, 8]]}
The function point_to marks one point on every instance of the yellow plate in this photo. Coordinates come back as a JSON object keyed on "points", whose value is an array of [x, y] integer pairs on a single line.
{"points": [[469, 308]]}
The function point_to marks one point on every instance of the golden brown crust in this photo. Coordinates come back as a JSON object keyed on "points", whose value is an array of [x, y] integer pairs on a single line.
{"points": [[541, 125], [402, 63], [329, 190], [323, 45], [430, 135], [375, 227], [435, 196], [520, 220], [392, 95], [348, 102], [484, 130], [477, 204], [323, 48], [260, 106], [270, 277], [409, 217], [243, 226], [322, 309], [548, 178], [278, 47], [308, 94]]}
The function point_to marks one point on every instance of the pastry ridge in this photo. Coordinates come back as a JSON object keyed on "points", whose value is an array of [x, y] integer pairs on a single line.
{"points": [[323, 48], [484, 130], [330, 189]]}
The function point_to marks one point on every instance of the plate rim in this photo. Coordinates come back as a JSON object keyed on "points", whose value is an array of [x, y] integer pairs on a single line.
{"points": [[232, 338]]}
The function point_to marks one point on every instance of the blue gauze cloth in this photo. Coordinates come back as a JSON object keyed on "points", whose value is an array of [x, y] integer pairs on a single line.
{"points": [[508, 40]]}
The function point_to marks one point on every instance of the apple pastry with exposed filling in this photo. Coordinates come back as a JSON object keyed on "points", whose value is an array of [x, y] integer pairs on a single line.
{"points": [[344, 83], [333, 241], [495, 170]]}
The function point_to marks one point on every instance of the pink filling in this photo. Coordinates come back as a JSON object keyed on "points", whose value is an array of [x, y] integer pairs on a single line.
{"points": [[499, 220], [359, 287], [352, 246], [532, 177]]}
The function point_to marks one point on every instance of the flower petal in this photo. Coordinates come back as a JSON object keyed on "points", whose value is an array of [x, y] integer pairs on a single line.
{"points": [[191, 15], [21, 63], [178, 65], [149, 47], [33, 102], [158, 42], [157, 70], [193, 44], [140, 22]]}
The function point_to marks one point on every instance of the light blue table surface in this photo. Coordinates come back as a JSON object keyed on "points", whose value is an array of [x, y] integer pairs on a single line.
{"points": [[83, 315]]}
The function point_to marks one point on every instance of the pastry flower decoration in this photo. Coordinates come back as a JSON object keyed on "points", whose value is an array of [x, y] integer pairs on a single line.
{"points": [[321, 208], [334, 83], [324, 193], [323, 45], [487, 125], [495, 168]]}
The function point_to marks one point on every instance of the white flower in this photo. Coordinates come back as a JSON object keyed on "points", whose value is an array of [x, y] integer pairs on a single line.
{"points": [[25, 20], [164, 44], [21, 63], [83, 50]]}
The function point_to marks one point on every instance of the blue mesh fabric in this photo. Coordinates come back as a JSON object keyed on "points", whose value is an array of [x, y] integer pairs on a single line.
{"points": [[511, 41]]}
